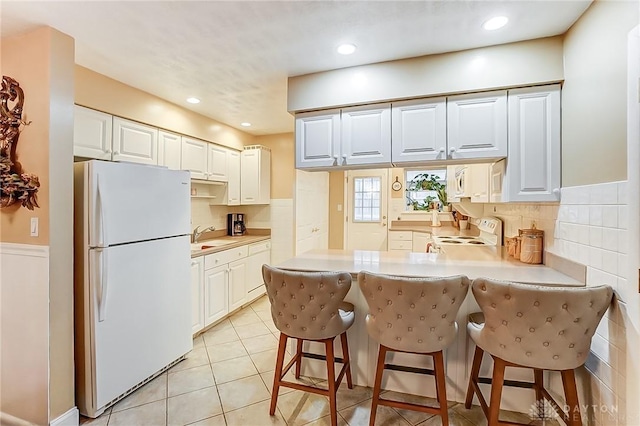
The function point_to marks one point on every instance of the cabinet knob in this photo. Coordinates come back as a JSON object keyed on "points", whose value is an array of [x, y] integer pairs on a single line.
{"points": [[556, 192], [452, 150], [441, 150], [344, 159], [194, 263], [116, 152], [108, 151]]}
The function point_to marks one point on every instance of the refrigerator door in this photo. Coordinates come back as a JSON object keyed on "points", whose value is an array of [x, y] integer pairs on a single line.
{"points": [[133, 202], [140, 301]]}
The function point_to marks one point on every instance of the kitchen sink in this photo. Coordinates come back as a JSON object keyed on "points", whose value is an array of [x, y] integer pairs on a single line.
{"points": [[210, 244]]}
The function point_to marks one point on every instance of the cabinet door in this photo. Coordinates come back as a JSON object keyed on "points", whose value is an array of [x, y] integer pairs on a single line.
{"points": [[533, 166], [366, 135], [197, 294], [216, 283], [92, 132], [317, 139], [194, 157], [134, 142], [420, 241], [477, 125], [479, 183], [169, 150], [233, 184], [255, 180], [451, 185], [237, 288], [217, 163], [254, 271], [419, 130]]}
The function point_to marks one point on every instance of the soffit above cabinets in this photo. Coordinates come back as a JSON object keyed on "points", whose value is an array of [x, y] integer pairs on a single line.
{"points": [[236, 56]]}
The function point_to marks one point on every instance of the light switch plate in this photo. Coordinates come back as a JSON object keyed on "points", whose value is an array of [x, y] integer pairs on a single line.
{"points": [[34, 227]]}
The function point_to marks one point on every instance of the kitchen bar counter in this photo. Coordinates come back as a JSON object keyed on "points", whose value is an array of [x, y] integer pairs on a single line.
{"points": [[473, 262]]}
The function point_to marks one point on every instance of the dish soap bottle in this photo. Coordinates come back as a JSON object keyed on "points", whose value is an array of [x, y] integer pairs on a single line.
{"points": [[435, 221]]}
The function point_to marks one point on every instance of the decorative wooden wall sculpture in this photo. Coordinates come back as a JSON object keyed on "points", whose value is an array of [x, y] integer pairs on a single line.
{"points": [[17, 186]]}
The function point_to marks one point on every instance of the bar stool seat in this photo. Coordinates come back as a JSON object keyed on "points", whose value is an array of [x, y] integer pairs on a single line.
{"points": [[537, 327], [310, 306], [412, 315]]}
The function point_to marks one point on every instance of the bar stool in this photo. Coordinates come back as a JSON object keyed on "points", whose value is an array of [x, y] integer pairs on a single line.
{"points": [[310, 306], [412, 315], [543, 328]]}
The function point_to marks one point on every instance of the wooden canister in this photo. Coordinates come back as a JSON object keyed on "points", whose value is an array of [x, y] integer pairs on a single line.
{"points": [[531, 245], [517, 246]]}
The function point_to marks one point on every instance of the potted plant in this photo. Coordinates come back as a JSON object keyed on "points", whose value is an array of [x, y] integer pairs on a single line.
{"points": [[427, 182]]}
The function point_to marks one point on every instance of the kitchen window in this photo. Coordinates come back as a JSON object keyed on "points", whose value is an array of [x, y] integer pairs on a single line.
{"points": [[367, 193], [417, 196]]}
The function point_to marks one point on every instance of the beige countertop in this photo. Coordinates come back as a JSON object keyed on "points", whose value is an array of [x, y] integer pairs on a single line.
{"points": [[234, 242], [442, 231], [474, 262]]}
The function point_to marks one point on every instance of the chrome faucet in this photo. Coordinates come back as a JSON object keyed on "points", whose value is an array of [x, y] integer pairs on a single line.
{"points": [[197, 234]]}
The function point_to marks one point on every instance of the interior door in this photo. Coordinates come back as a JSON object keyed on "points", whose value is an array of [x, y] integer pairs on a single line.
{"points": [[367, 210], [312, 211]]}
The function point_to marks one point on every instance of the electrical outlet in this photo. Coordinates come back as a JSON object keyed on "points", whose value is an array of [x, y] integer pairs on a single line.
{"points": [[34, 226]]}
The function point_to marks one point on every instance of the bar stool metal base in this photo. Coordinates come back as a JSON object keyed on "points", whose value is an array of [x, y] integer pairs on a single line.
{"points": [[492, 410], [441, 388], [332, 380]]}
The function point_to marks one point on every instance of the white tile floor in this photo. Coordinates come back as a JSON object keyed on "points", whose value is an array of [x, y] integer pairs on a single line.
{"points": [[227, 380]]}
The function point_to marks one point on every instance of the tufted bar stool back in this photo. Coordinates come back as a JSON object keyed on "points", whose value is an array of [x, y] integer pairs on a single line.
{"points": [[310, 306], [413, 315], [539, 327]]}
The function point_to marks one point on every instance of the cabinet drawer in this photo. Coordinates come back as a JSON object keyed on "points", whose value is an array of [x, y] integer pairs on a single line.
{"points": [[400, 245], [259, 247], [400, 235], [220, 258]]}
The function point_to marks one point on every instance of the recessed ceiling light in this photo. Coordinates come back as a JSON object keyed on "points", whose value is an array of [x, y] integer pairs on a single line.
{"points": [[245, 124], [346, 49], [495, 23], [193, 100]]}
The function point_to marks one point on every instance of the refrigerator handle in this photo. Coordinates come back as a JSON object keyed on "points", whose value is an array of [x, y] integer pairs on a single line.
{"points": [[103, 285], [102, 211]]}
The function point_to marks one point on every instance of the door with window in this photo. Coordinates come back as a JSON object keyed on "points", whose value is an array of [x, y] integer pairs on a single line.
{"points": [[367, 210]]}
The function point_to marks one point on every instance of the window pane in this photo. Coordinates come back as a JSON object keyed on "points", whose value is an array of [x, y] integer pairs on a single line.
{"points": [[367, 199]]}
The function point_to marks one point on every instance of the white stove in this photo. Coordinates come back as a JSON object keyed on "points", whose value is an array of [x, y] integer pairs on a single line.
{"points": [[490, 235]]}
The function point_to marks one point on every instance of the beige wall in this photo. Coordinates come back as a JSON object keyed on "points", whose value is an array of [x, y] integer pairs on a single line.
{"points": [[37, 369], [594, 94], [336, 218], [507, 65], [99, 92], [282, 163]]}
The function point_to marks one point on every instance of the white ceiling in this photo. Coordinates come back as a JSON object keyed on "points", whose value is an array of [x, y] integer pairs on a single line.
{"points": [[236, 55]]}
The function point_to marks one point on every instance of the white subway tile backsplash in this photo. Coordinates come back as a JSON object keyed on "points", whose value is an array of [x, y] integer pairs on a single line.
{"points": [[610, 216], [609, 193], [595, 236], [595, 258], [610, 262], [583, 215], [595, 215], [623, 218], [623, 193], [610, 239]]}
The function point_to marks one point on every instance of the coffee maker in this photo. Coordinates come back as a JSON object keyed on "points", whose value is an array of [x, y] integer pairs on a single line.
{"points": [[235, 224]]}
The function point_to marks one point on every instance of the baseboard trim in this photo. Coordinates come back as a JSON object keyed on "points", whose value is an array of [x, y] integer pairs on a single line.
{"points": [[70, 418]]}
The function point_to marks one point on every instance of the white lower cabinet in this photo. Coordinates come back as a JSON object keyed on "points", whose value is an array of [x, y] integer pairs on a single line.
{"points": [[216, 303], [237, 276], [197, 294], [224, 281], [420, 241], [259, 254]]}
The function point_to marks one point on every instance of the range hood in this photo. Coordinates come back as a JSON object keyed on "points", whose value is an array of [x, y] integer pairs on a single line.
{"points": [[467, 208]]}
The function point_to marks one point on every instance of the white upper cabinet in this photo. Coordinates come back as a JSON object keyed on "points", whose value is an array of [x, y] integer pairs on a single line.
{"points": [[217, 164], [366, 135], [233, 171], [496, 181], [134, 142], [477, 125], [92, 132], [169, 150], [194, 157], [533, 166], [419, 129], [255, 179], [317, 139]]}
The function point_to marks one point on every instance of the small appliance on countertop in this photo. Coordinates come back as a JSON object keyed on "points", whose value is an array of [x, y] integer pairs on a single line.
{"points": [[235, 224], [490, 235]]}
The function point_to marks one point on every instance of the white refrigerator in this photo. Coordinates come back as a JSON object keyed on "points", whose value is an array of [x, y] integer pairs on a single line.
{"points": [[132, 277]]}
